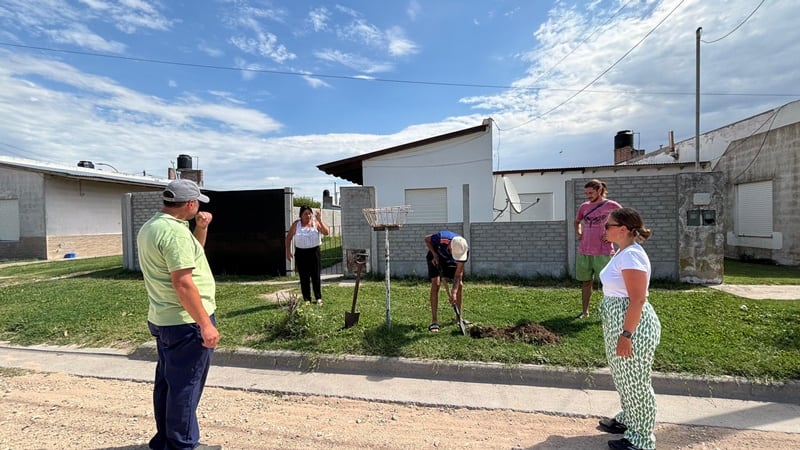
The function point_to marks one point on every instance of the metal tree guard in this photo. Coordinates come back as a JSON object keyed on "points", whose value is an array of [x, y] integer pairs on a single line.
{"points": [[387, 218]]}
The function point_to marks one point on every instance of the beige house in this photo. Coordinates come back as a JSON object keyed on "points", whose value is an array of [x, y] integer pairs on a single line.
{"points": [[51, 211]]}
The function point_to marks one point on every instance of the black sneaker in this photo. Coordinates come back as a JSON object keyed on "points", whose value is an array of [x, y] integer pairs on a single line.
{"points": [[611, 425], [622, 444]]}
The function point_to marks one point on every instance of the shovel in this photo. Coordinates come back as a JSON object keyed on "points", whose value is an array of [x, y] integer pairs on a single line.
{"points": [[455, 306], [351, 317]]}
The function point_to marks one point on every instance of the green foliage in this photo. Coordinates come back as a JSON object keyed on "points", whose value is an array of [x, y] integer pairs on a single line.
{"points": [[746, 272], [306, 201], [705, 332], [331, 251], [296, 324]]}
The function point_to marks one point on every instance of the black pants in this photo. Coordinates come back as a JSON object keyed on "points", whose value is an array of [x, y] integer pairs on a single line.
{"points": [[307, 262]]}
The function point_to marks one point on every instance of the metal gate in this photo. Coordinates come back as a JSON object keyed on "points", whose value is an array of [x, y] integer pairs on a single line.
{"points": [[331, 248]]}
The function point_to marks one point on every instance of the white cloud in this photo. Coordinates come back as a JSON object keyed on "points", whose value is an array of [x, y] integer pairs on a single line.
{"points": [[362, 32], [318, 18], [251, 36], [209, 50], [263, 44], [398, 44], [82, 37], [315, 82], [413, 10], [355, 62], [649, 91], [129, 15]]}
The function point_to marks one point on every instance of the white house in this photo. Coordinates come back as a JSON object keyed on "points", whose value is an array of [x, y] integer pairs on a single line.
{"points": [[434, 176]]}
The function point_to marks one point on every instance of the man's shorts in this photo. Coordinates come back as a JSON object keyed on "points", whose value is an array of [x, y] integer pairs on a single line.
{"points": [[448, 272], [588, 267]]}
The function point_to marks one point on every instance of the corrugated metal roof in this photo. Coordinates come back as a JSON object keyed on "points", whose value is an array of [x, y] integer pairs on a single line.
{"points": [[83, 173]]}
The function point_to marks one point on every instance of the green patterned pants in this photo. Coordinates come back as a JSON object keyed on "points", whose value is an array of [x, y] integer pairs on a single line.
{"points": [[632, 375]]}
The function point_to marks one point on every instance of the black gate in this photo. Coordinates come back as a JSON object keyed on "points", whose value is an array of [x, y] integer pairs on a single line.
{"points": [[247, 235]]}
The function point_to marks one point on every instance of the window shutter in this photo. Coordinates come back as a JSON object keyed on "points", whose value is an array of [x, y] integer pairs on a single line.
{"points": [[427, 205], [754, 209]]}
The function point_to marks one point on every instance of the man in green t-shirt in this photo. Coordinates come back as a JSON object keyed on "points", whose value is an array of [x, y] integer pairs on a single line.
{"points": [[181, 292]]}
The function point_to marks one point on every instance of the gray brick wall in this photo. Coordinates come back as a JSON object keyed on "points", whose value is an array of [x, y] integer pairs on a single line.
{"points": [[656, 199], [142, 206], [530, 249], [356, 233]]}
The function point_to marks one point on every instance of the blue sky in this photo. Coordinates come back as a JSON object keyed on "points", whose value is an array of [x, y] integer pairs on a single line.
{"points": [[261, 92]]}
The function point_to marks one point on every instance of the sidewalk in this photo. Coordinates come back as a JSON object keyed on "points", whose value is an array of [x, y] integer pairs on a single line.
{"points": [[735, 404]]}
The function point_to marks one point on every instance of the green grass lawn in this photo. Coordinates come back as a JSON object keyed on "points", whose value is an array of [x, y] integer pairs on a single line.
{"points": [[705, 331], [738, 272]]}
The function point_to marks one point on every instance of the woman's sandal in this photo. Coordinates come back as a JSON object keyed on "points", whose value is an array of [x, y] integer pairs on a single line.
{"points": [[434, 327]]}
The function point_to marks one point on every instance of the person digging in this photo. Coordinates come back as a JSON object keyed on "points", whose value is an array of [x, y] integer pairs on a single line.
{"points": [[447, 254]]}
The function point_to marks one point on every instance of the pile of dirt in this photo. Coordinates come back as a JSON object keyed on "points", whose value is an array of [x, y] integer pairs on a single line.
{"points": [[530, 332]]}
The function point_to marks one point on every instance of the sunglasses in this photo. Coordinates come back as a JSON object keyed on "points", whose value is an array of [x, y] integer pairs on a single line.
{"points": [[609, 225]]}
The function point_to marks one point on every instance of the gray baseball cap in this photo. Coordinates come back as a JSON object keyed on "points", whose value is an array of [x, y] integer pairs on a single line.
{"points": [[183, 191]]}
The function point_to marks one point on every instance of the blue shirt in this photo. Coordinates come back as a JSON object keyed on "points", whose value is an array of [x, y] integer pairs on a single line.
{"points": [[441, 243]]}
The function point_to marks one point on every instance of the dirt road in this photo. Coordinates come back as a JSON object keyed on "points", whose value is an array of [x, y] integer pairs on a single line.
{"points": [[58, 411]]}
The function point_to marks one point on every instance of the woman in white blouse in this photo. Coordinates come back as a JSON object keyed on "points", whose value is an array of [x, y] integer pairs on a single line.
{"points": [[307, 234], [631, 331]]}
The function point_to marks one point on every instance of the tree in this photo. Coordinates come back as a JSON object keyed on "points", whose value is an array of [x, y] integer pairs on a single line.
{"points": [[306, 201]]}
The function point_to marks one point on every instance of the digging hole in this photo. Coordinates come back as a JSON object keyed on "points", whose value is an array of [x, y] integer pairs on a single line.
{"points": [[532, 333]]}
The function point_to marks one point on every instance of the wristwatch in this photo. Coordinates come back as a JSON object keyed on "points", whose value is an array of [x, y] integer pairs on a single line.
{"points": [[626, 334]]}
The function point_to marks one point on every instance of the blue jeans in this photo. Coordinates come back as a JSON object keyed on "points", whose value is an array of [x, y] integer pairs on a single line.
{"points": [[181, 374]]}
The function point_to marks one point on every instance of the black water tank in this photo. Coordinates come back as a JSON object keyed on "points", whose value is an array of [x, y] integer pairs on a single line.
{"points": [[623, 138], [184, 162], [87, 164]]}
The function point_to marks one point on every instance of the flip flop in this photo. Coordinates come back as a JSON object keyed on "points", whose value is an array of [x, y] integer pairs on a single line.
{"points": [[434, 327]]}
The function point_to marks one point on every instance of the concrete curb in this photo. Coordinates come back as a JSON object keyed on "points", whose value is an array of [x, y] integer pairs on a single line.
{"points": [[493, 373]]}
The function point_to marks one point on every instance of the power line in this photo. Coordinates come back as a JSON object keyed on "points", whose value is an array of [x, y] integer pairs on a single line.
{"points": [[596, 30], [625, 55], [737, 26], [381, 80], [268, 71]]}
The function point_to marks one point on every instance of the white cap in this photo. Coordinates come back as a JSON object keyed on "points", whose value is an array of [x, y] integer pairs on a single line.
{"points": [[459, 248]]}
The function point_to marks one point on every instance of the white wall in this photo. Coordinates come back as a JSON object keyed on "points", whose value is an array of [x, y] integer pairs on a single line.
{"points": [[80, 207], [28, 188], [449, 164]]}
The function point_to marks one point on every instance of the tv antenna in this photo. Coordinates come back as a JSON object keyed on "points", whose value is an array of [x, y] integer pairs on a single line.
{"points": [[513, 201]]}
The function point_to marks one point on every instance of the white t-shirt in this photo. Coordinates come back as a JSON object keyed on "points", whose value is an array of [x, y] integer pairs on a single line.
{"points": [[307, 237], [631, 257]]}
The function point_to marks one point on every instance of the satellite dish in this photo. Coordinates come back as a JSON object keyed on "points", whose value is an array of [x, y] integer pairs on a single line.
{"points": [[513, 201], [512, 195]]}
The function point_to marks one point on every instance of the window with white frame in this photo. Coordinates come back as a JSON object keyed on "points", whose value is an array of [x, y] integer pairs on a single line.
{"points": [[754, 209]]}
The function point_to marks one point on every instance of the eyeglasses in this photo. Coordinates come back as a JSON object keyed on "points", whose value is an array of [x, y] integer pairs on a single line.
{"points": [[609, 225]]}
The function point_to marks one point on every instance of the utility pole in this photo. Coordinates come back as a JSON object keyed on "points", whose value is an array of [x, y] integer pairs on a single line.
{"points": [[697, 104]]}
